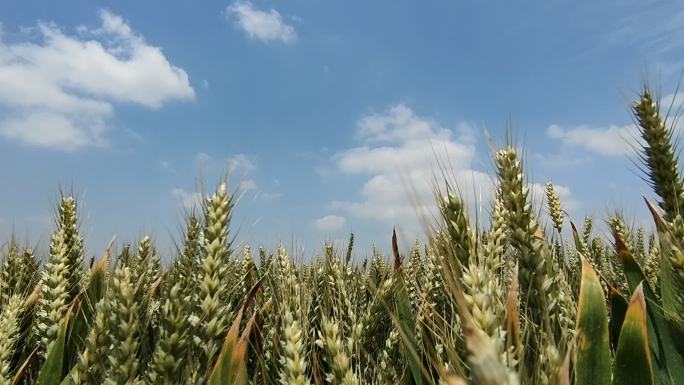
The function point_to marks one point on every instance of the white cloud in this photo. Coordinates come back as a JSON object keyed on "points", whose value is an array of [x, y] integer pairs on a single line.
{"points": [[267, 196], [247, 184], [653, 29], [237, 167], [165, 165], [186, 199], [48, 129], [232, 164], [617, 140], [58, 90], [610, 141], [261, 25], [399, 153], [240, 162], [562, 159], [330, 223], [674, 103]]}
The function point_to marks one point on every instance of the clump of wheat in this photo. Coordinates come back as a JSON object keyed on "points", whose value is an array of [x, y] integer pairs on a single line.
{"points": [[481, 300], [92, 362]]}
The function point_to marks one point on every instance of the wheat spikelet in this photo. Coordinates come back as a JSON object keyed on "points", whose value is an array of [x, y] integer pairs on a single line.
{"points": [[54, 295], [555, 209], [8, 274], [246, 270], [586, 230], [293, 360], [9, 336], [91, 363], [172, 340], [659, 155], [212, 275], [612, 269], [124, 329], [640, 245], [145, 268], [524, 234], [341, 372], [28, 276], [456, 220], [676, 263], [652, 265], [387, 365], [73, 244]]}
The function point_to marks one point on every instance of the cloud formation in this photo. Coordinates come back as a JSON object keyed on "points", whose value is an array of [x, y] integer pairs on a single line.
{"points": [[400, 153], [330, 223], [186, 199], [610, 141], [58, 90], [618, 140], [265, 26]]}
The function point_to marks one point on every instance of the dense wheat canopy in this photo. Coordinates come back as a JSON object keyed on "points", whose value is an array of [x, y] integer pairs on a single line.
{"points": [[501, 300]]}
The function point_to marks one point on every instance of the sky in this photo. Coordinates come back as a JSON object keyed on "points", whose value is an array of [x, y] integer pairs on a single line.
{"points": [[330, 117]]}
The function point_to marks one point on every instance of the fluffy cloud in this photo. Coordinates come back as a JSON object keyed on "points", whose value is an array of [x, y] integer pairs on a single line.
{"points": [[616, 140], [673, 103], [261, 25], [58, 90], [268, 196], [330, 223], [238, 167], [186, 199], [400, 152], [610, 141]]}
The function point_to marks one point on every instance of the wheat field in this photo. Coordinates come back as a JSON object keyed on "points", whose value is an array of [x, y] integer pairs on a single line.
{"points": [[507, 301]]}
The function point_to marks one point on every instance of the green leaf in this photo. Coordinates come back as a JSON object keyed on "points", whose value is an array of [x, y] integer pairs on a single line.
{"points": [[230, 367], [632, 358], [51, 371], [23, 369], [576, 237], [78, 331], [484, 358], [671, 293], [618, 308], [407, 329], [593, 364], [664, 334]]}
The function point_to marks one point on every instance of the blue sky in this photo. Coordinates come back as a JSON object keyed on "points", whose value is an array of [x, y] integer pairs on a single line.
{"points": [[325, 109]]}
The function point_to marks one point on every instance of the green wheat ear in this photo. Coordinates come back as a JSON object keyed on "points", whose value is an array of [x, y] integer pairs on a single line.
{"points": [[524, 234], [10, 267], [172, 340], [213, 274], [9, 335], [62, 275], [124, 328], [555, 209], [92, 361], [659, 155], [73, 244], [293, 359]]}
